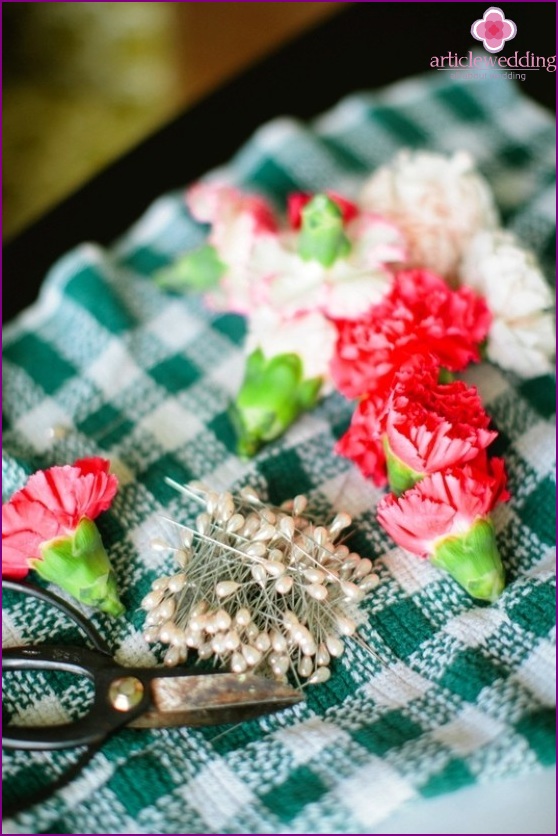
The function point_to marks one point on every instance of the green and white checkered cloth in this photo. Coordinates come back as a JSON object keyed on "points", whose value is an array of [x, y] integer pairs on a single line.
{"points": [[461, 692]]}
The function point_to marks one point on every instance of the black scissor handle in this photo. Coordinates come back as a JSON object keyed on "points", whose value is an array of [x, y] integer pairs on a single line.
{"points": [[50, 598], [102, 718]]}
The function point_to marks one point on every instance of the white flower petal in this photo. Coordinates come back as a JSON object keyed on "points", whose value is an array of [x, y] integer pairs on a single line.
{"points": [[522, 335], [438, 202], [311, 336], [375, 241], [527, 349], [265, 269], [351, 295]]}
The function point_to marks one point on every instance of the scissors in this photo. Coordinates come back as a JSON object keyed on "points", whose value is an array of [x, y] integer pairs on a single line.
{"points": [[135, 697]]}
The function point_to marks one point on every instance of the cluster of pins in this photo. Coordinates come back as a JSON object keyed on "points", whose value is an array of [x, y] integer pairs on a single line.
{"points": [[261, 589]]}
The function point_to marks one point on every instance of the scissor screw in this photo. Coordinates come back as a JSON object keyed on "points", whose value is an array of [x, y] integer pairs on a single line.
{"points": [[126, 693]]}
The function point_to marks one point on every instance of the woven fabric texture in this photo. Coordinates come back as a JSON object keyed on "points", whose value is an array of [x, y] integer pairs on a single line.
{"points": [[457, 692]]}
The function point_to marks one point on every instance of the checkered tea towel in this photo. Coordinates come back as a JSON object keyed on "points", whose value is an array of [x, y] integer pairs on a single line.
{"points": [[459, 692]]}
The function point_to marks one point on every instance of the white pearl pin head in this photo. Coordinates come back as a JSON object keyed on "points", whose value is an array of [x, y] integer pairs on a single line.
{"points": [[260, 589]]}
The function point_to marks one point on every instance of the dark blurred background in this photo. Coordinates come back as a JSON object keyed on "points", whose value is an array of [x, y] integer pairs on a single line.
{"points": [[84, 82]]}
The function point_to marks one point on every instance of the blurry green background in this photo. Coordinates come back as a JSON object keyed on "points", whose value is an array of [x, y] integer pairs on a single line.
{"points": [[84, 82]]}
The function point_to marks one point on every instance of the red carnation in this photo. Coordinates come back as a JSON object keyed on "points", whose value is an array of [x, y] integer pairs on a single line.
{"points": [[421, 315], [444, 313], [362, 443]]}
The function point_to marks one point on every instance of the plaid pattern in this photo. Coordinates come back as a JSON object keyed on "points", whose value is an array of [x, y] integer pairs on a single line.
{"points": [[458, 692]]}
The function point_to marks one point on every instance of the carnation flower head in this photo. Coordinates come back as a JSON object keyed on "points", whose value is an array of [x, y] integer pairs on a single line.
{"points": [[522, 337], [360, 274], [438, 201], [329, 257], [443, 503], [460, 317], [420, 316], [445, 516], [51, 505], [48, 526], [431, 426]]}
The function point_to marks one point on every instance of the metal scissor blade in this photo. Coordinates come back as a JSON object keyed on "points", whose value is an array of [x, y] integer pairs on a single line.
{"points": [[212, 699]]}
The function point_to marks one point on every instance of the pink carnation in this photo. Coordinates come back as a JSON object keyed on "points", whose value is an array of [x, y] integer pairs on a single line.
{"points": [[431, 426], [428, 426], [421, 315], [51, 505], [446, 503]]}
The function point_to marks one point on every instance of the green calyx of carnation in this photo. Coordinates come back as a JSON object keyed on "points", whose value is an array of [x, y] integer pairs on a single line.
{"points": [[80, 565], [272, 396], [322, 237], [199, 270], [445, 376], [401, 477], [473, 560]]}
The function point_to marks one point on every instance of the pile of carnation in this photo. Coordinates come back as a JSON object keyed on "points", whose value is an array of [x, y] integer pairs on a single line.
{"points": [[384, 298], [424, 433]]}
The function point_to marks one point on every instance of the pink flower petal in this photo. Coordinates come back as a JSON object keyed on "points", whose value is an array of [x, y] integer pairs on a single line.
{"points": [[50, 505], [72, 492], [414, 521], [431, 426], [444, 503], [25, 525], [96, 488]]}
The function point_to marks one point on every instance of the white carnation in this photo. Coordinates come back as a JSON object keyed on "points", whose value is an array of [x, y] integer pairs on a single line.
{"points": [[438, 202], [309, 335], [347, 289], [522, 335], [262, 265]]}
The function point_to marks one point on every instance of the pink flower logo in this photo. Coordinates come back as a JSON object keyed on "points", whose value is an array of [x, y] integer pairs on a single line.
{"points": [[494, 29]]}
